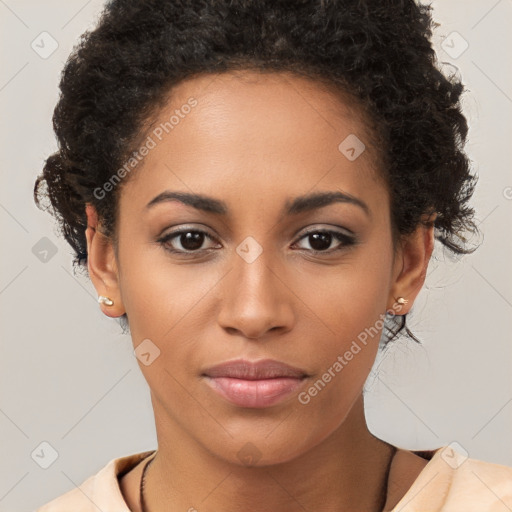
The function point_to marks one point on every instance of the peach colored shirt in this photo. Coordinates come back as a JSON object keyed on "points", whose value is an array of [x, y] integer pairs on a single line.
{"points": [[449, 482]]}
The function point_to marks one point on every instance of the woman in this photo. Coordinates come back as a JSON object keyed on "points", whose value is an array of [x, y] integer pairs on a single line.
{"points": [[256, 189]]}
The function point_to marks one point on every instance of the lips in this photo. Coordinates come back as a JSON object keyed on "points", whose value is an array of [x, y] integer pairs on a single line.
{"points": [[247, 370], [254, 384]]}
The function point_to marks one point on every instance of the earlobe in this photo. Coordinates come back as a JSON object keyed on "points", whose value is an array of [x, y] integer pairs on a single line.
{"points": [[102, 266], [411, 267]]}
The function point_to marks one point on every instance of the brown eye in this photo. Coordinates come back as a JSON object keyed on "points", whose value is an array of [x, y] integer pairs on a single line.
{"points": [[321, 240], [190, 241], [185, 241]]}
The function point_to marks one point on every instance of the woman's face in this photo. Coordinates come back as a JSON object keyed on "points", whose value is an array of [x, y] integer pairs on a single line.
{"points": [[246, 283]]}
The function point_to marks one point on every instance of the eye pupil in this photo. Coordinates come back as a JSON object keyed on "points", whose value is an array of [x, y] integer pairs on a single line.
{"points": [[320, 241], [192, 240]]}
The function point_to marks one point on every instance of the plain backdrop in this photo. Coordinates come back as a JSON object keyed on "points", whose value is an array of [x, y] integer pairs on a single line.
{"points": [[68, 377]]}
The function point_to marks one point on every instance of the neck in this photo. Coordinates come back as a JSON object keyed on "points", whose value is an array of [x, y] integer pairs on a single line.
{"points": [[347, 471]]}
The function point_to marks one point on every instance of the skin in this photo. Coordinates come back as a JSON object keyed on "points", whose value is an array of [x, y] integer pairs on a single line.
{"points": [[255, 142]]}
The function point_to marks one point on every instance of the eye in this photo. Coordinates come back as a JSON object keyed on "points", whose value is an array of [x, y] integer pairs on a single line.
{"points": [[190, 241], [320, 241], [185, 241]]}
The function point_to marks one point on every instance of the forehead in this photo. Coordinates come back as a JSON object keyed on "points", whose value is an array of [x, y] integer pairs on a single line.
{"points": [[271, 133]]}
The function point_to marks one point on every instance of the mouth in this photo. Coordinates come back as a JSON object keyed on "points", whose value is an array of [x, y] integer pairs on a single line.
{"points": [[254, 384]]}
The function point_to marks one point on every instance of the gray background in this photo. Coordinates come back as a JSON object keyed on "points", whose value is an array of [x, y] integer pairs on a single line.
{"points": [[68, 375]]}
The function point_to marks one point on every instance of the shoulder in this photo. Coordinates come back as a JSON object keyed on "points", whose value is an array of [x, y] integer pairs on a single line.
{"points": [[452, 482], [100, 491], [485, 484]]}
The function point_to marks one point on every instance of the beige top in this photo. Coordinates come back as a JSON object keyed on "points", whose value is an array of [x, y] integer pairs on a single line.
{"points": [[449, 482]]}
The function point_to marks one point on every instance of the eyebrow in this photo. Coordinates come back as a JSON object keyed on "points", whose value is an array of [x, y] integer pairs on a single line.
{"points": [[298, 205]]}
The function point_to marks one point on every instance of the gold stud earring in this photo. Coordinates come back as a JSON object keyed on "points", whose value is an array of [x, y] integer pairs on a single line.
{"points": [[401, 301], [105, 300]]}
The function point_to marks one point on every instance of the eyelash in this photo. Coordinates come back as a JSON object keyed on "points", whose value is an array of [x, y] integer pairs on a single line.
{"points": [[346, 240]]}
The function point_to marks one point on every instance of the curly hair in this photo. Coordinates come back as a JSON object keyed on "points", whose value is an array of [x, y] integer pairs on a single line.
{"points": [[379, 52]]}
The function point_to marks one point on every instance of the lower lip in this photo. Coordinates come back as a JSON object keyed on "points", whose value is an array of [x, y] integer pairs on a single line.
{"points": [[254, 393]]}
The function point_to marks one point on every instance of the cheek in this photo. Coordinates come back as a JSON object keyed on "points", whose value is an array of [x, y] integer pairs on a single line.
{"points": [[164, 300], [146, 289], [349, 305], [340, 301], [351, 325], [347, 298]]}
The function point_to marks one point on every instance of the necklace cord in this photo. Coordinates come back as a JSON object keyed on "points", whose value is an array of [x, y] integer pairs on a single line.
{"points": [[142, 481], [148, 463]]}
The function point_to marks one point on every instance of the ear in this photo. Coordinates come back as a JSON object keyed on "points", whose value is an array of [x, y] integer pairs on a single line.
{"points": [[102, 264], [410, 265]]}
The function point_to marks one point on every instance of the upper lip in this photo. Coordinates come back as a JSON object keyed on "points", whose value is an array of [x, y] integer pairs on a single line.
{"points": [[248, 370]]}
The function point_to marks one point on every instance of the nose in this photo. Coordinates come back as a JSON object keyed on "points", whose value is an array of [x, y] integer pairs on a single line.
{"points": [[255, 299]]}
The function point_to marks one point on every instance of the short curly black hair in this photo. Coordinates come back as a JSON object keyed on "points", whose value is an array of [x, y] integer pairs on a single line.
{"points": [[379, 52]]}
